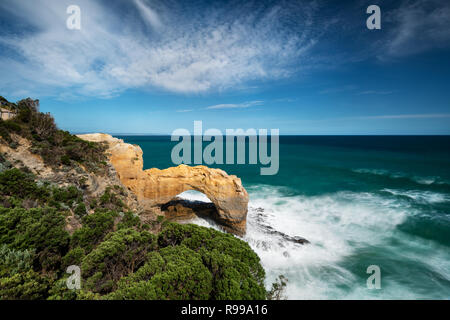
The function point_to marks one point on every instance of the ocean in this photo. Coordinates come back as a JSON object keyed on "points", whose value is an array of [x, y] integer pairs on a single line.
{"points": [[359, 200]]}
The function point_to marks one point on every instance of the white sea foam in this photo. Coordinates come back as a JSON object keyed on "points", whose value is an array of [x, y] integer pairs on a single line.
{"points": [[421, 196], [194, 196], [397, 174], [337, 225]]}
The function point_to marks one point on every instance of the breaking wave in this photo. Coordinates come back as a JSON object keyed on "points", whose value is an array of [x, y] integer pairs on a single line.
{"points": [[420, 196], [347, 231], [429, 180]]}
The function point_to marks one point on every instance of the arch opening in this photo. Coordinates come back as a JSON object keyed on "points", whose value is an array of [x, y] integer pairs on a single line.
{"points": [[189, 205]]}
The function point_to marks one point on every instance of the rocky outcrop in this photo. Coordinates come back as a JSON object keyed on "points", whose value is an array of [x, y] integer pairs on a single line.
{"points": [[93, 185], [155, 187]]}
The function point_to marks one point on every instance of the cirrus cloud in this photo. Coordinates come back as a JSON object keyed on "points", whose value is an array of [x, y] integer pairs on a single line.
{"points": [[147, 45], [235, 105]]}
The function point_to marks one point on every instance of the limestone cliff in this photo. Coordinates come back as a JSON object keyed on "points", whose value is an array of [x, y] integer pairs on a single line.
{"points": [[155, 187], [93, 184]]}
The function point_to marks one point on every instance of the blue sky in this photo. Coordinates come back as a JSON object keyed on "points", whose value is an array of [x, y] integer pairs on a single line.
{"points": [[304, 67]]}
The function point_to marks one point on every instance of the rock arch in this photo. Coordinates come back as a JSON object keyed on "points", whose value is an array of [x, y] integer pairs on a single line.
{"points": [[157, 187], [225, 191]]}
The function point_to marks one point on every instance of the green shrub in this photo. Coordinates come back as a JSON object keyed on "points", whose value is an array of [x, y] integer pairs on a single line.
{"points": [[12, 126], [59, 291], [41, 229], [278, 288], [111, 200], [24, 115], [16, 183], [174, 273], [43, 125], [193, 262], [80, 210], [237, 271], [67, 195], [95, 227], [5, 133], [122, 252], [73, 257], [93, 203], [20, 185], [129, 220], [233, 279], [14, 261], [27, 285], [65, 160], [182, 262]]}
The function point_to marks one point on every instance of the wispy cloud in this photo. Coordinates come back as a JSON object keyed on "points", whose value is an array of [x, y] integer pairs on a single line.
{"points": [[359, 118], [339, 89], [149, 15], [417, 26], [148, 45], [405, 116], [235, 105], [375, 92], [352, 89], [185, 110], [285, 100]]}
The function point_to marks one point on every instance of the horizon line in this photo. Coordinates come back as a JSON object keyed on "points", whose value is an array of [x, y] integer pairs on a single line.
{"points": [[285, 135]]}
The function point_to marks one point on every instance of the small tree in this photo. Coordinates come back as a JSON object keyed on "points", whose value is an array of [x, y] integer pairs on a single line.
{"points": [[278, 289], [43, 124]]}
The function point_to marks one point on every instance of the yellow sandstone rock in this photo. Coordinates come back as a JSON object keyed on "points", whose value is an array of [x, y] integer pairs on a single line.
{"points": [[154, 187]]}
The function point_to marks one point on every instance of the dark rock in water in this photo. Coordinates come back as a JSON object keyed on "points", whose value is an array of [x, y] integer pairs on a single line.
{"points": [[260, 218], [299, 240], [263, 245], [181, 209], [295, 239]]}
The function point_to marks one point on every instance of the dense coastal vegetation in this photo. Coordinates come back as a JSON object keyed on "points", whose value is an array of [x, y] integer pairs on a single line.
{"points": [[56, 147], [120, 256]]}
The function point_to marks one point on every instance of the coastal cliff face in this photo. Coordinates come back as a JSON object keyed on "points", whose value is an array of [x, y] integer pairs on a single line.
{"points": [[155, 187], [94, 184]]}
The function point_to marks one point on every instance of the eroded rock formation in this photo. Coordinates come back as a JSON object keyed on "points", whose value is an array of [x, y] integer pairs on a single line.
{"points": [[155, 187]]}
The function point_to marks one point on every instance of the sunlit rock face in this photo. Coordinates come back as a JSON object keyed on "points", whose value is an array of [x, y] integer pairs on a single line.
{"points": [[155, 187]]}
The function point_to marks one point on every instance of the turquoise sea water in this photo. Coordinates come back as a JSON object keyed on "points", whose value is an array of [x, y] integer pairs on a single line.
{"points": [[360, 201]]}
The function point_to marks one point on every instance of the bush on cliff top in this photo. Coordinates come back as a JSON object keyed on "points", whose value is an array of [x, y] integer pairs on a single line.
{"points": [[19, 189], [173, 273], [237, 271], [119, 259], [121, 253], [39, 229], [180, 271]]}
